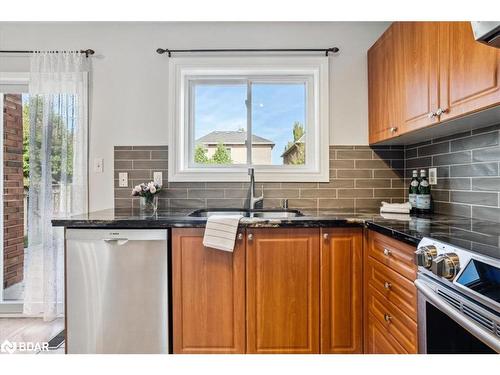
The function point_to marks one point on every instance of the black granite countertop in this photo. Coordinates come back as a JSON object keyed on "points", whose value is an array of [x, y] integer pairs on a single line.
{"points": [[477, 235]]}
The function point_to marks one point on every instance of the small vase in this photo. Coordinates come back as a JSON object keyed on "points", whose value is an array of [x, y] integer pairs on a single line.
{"points": [[149, 204]]}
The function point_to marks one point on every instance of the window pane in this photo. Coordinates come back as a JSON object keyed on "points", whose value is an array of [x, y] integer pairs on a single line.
{"points": [[219, 123], [278, 123]]}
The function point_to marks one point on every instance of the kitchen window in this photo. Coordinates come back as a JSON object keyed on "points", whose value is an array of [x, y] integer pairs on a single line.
{"points": [[229, 114]]}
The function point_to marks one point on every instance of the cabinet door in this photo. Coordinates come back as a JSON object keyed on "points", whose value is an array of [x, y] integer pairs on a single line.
{"points": [[384, 89], [469, 71], [341, 290], [208, 295], [419, 70], [283, 290]]}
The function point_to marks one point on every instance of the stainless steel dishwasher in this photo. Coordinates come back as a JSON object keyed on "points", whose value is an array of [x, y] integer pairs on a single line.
{"points": [[116, 291]]}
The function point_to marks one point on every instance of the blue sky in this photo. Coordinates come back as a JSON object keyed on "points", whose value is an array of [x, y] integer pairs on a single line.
{"points": [[275, 107]]}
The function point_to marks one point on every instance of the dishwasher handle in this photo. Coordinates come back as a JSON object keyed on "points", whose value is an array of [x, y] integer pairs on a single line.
{"points": [[116, 241]]}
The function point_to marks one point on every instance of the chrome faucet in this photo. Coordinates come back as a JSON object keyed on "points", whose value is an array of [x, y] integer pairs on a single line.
{"points": [[253, 201]]}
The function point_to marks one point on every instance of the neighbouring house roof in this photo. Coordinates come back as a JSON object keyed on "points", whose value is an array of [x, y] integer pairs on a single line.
{"points": [[232, 137], [293, 146]]}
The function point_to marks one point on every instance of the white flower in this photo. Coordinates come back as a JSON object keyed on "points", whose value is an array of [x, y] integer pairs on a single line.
{"points": [[138, 188], [152, 189]]}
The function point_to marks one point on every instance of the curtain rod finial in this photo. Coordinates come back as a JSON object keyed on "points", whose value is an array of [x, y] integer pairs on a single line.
{"points": [[87, 52], [332, 50], [161, 51]]}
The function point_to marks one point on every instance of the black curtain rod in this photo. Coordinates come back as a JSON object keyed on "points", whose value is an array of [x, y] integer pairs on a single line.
{"points": [[87, 52], [326, 51]]}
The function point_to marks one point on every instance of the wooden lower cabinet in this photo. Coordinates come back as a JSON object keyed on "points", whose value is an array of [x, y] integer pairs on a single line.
{"points": [[390, 297], [341, 290], [208, 295], [283, 290]]}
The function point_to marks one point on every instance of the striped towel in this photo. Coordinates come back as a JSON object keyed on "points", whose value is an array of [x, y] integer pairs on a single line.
{"points": [[220, 232]]}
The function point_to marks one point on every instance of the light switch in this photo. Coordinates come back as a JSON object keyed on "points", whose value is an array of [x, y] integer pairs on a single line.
{"points": [[98, 165], [433, 176], [158, 178], [123, 179]]}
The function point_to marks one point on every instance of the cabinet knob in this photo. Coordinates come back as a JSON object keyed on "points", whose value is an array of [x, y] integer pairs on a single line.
{"points": [[326, 236], [250, 237], [387, 318], [240, 236], [387, 252], [393, 129], [440, 111], [387, 285], [432, 114]]}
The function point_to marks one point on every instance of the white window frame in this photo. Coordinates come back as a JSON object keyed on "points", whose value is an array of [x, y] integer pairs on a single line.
{"points": [[181, 143]]}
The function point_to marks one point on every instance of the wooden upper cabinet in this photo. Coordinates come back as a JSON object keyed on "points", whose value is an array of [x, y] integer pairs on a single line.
{"points": [[419, 43], [469, 72], [341, 290], [283, 290], [423, 73], [383, 88], [208, 295]]}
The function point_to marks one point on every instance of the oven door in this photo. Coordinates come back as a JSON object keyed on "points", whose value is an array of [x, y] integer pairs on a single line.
{"points": [[444, 329]]}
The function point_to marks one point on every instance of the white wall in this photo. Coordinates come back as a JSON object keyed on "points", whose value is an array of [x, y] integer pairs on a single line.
{"points": [[129, 79]]}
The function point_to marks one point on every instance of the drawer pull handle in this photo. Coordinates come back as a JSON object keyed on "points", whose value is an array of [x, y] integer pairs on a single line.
{"points": [[387, 252], [387, 285], [387, 318]]}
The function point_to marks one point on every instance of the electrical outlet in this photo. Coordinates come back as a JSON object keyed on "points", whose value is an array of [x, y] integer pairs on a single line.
{"points": [[98, 165], [123, 179], [433, 176], [158, 178]]}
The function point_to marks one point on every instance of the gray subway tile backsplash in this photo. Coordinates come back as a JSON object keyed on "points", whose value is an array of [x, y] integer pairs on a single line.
{"points": [[468, 167], [360, 178], [468, 174]]}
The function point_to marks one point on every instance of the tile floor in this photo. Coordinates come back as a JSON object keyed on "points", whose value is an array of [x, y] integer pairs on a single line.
{"points": [[30, 330]]}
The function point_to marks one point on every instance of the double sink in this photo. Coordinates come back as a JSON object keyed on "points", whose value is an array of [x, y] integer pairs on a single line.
{"points": [[260, 213]]}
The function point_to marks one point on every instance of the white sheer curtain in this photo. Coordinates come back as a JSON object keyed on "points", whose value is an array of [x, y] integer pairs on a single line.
{"points": [[58, 172]]}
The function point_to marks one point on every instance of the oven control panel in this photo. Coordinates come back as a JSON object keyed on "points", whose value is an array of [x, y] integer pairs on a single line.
{"points": [[476, 275]]}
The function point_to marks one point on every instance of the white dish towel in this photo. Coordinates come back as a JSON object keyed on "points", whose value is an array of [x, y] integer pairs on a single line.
{"points": [[397, 208], [220, 232]]}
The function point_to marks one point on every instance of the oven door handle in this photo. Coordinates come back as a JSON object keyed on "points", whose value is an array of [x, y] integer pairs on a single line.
{"points": [[480, 333]]}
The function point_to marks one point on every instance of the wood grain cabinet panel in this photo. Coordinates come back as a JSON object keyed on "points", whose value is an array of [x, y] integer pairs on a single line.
{"points": [[420, 70], [283, 290], [379, 341], [469, 71], [396, 288], [390, 296], [395, 322], [384, 98], [392, 253], [341, 290], [208, 295]]}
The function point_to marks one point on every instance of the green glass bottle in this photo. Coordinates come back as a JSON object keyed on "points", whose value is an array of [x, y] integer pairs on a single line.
{"points": [[413, 191], [424, 194]]}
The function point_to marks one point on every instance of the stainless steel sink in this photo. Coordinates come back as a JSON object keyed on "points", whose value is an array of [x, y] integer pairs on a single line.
{"points": [[221, 211], [260, 213], [281, 214]]}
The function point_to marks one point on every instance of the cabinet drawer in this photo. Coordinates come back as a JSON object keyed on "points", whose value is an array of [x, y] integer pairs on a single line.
{"points": [[395, 322], [379, 341], [393, 286], [393, 254]]}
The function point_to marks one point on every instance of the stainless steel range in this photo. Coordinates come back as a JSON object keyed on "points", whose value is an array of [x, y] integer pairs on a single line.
{"points": [[458, 299]]}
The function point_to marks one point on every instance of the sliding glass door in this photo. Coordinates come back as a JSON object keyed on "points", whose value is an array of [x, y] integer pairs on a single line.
{"points": [[14, 186]]}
